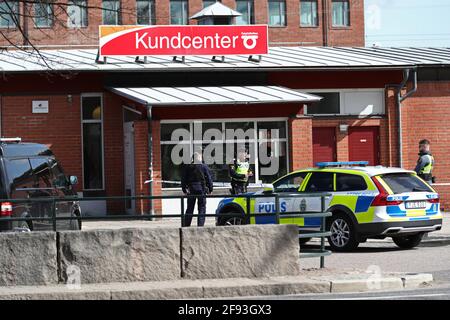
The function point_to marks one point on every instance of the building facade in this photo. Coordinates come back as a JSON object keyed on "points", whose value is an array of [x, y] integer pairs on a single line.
{"points": [[73, 23], [111, 124]]}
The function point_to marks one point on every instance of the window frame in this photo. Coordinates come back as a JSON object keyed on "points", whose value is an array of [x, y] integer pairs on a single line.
{"points": [[317, 23], [16, 4], [91, 95], [255, 140], [82, 4], [151, 13], [250, 4], [346, 17], [342, 102], [185, 5], [280, 2], [50, 15], [117, 11]]}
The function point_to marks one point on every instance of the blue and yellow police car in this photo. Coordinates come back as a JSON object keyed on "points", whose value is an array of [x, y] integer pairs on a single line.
{"points": [[365, 202]]}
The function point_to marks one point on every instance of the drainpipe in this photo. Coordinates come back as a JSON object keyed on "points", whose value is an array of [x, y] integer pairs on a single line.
{"points": [[325, 22], [150, 155], [400, 99]]}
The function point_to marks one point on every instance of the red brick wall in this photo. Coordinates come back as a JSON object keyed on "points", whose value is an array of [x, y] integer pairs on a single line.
{"points": [[426, 115], [293, 33], [300, 146], [61, 127]]}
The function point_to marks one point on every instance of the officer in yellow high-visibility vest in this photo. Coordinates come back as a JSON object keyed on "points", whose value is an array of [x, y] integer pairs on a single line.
{"points": [[240, 173], [424, 167]]}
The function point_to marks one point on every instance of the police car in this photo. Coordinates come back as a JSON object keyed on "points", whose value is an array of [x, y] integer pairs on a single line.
{"points": [[365, 202]]}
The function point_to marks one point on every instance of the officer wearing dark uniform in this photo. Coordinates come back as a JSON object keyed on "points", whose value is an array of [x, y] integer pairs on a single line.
{"points": [[196, 180], [240, 173], [424, 167]]}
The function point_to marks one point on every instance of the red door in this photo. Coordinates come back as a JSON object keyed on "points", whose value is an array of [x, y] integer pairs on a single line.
{"points": [[363, 144], [324, 144]]}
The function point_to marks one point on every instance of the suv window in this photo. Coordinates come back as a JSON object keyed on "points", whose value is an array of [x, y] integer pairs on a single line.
{"points": [[41, 173], [19, 173], [290, 183], [405, 182], [350, 182], [59, 178], [320, 182]]}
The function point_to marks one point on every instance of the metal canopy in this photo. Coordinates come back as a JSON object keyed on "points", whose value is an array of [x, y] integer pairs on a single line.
{"points": [[216, 10], [279, 58], [177, 96]]}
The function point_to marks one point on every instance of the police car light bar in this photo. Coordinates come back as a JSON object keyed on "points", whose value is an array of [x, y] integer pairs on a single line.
{"points": [[342, 163]]}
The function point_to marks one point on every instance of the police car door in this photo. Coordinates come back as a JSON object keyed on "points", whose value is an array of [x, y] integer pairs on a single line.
{"points": [[286, 188], [318, 182]]}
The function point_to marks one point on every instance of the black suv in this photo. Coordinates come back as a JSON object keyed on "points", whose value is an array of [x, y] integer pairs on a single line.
{"points": [[31, 171]]}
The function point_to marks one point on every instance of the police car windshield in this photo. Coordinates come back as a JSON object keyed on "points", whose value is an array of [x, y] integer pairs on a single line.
{"points": [[405, 182]]}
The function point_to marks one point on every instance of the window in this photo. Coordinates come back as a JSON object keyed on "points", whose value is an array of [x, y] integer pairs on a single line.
{"points": [[92, 142], [19, 173], [58, 176], [341, 13], [111, 12], [320, 182], [247, 8], [43, 14], [267, 148], [179, 12], [405, 182], [146, 12], [350, 182], [291, 183], [9, 14], [277, 13], [308, 13], [330, 104], [77, 12], [41, 173]]}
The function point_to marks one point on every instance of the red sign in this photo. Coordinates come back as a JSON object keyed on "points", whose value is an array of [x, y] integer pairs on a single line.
{"points": [[183, 40]]}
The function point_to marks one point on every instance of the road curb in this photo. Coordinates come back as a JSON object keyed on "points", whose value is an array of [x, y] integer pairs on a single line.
{"points": [[218, 288]]}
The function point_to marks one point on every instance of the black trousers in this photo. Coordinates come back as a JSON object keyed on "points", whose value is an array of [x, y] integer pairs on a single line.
{"points": [[201, 204], [239, 187]]}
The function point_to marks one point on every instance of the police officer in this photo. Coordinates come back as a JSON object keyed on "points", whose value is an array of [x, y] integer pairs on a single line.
{"points": [[424, 167], [240, 173], [196, 180]]}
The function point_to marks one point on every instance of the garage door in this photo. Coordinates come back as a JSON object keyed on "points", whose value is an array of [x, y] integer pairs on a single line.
{"points": [[324, 144], [363, 144]]}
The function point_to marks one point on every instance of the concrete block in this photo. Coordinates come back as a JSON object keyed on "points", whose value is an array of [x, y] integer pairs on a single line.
{"points": [[28, 258], [240, 251], [124, 255]]}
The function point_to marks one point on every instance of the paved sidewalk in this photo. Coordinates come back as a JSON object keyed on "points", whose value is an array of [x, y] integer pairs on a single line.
{"points": [[312, 281]]}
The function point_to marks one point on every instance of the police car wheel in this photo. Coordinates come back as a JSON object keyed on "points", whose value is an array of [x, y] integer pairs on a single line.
{"points": [[409, 241], [343, 235], [235, 221]]}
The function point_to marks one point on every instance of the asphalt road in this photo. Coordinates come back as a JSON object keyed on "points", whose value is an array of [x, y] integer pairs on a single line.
{"points": [[434, 293], [432, 256]]}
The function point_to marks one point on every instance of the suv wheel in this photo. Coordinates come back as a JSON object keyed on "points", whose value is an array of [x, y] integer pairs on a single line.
{"points": [[343, 234], [409, 241]]}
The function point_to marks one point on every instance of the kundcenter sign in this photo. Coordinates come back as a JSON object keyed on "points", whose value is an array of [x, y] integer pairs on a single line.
{"points": [[183, 40]]}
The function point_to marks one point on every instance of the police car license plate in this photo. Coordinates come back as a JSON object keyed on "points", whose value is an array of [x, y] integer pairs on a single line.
{"points": [[415, 204]]}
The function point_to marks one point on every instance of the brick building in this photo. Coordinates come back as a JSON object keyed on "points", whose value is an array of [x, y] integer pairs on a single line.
{"points": [[109, 123], [70, 23]]}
